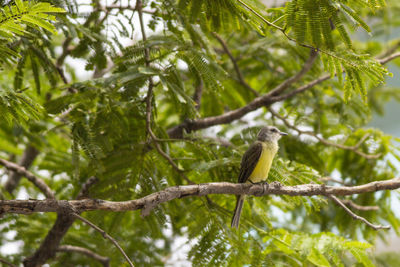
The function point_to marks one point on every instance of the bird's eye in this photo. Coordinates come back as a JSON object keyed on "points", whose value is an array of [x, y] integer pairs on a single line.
{"points": [[274, 130]]}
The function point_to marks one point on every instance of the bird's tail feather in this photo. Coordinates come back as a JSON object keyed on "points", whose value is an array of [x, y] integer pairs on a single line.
{"points": [[238, 211]]}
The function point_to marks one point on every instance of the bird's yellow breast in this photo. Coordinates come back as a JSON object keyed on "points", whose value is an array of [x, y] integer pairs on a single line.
{"points": [[260, 172]]}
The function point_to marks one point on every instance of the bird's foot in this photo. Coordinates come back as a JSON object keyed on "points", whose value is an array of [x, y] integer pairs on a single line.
{"points": [[264, 185]]}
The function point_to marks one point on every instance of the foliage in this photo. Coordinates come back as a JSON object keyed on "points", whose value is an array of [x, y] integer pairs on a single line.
{"points": [[74, 86]]}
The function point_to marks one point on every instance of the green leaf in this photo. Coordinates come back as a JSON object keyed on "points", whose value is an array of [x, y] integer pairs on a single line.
{"points": [[318, 258]]}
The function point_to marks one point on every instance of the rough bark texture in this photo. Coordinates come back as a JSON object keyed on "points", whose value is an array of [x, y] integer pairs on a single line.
{"points": [[147, 203], [64, 221]]}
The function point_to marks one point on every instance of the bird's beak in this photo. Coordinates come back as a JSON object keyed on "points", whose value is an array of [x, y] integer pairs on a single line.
{"points": [[282, 133]]}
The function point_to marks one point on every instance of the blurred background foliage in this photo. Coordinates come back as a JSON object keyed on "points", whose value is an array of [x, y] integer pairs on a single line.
{"points": [[73, 90]]}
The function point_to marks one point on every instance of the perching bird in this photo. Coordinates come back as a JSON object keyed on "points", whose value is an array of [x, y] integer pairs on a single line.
{"points": [[256, 163]]}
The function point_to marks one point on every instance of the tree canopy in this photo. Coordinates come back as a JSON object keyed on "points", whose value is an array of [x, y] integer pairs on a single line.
{"points": [[109, 107]]}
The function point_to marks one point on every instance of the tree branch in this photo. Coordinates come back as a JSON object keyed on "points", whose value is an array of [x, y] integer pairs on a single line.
{"points": [[391, 50], [149, 98], [64, 221], [7, 263], [389, 58], [306, 67], [198, 94], [264, 100], [355, 216], [48, 248], [105, 235], [150, 201], [21, 171], [358, 207], [300, 89], [68, 248], [84, 193], [239, 74], [26, 161], [327, 142]]}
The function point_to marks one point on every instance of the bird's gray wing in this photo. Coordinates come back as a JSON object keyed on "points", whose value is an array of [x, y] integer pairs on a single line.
{"points": [[249, 161]]}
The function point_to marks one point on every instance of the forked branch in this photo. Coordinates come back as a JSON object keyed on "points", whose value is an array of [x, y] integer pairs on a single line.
{"points": [[357, 217]]}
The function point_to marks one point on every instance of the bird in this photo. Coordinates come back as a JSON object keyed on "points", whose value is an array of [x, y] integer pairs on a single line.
{"points": [[256, 163]]}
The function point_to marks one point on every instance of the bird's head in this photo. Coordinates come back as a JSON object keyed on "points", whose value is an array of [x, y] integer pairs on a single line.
{"points": [[269, 134]]}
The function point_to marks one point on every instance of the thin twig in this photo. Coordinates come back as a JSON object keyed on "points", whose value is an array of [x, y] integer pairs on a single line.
{"points": [[198, 92], [391, 50], [239, 74], [60, 60], [327, 142], [300, 89], [264, 100], [149, 98], [261, 17], [39, 183], [105, 235], [261, 101], [389, 58], [280, 29], [68, 248], [357, 217], [306, 67], [7, 262], [358, 207]]}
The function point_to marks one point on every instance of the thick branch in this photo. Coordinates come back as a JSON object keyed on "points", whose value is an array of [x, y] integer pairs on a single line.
{"points": [[21, 171], [48, 248], [64, 221], [265, 100], [150, 201], [67, 248]]}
